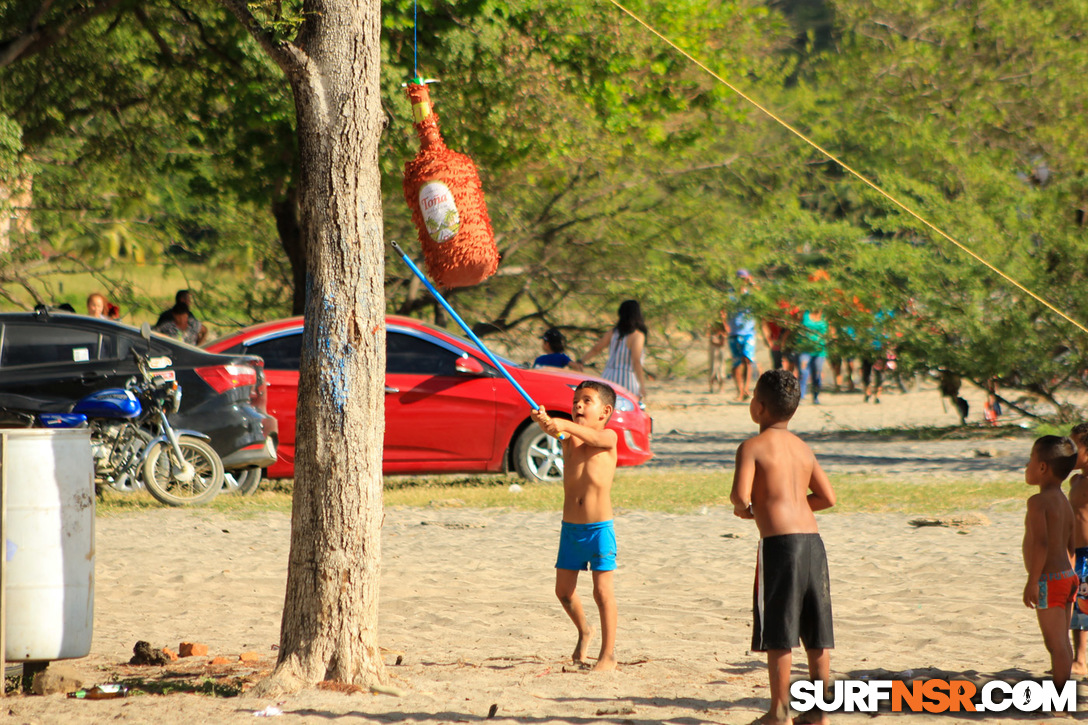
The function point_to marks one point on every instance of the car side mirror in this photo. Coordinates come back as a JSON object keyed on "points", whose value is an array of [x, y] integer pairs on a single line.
{"points": [[468, 365]]}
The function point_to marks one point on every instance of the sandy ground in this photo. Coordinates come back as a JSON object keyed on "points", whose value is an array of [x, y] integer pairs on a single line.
{"points": [[468, 610]]}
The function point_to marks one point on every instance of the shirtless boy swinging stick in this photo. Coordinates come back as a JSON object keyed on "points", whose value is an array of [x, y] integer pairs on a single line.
{"points": [[587, 538]]}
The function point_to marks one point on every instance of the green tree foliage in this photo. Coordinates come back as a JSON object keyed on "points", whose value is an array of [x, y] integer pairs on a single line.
{"points": [[602, 151], [146, 150], [613, 167], [966, 112]]}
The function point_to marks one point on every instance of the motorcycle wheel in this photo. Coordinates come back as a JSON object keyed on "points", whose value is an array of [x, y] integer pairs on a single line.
{"points": [[162, 467]]}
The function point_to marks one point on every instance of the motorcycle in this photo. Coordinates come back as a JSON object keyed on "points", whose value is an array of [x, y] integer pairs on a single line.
{"points": [[133, 443]]}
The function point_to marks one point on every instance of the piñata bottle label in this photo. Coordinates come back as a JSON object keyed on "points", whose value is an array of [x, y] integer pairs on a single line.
{"points": [[439, 211]]}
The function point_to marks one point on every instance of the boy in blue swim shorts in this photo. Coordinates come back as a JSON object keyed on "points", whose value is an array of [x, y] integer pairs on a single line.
{"points": [[1052, 584], [1078, 499], [587, 538]]}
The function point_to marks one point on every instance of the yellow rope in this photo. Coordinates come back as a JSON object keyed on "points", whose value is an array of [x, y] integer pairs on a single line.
{"points": [[834, 158]]}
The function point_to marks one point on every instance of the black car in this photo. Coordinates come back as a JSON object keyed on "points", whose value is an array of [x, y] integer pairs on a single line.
{"points": [[52, 359]]}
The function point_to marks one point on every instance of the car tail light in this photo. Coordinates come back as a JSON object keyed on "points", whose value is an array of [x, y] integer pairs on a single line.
{"points": [[259, 395], [227, 377]]}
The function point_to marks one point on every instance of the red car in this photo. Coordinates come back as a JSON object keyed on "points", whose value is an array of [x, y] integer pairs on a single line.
{"points": [[447, 409]]}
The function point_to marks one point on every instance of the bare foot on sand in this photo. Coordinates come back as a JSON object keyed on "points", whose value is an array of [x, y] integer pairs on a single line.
{"points": [[605, 663], [769, 719], [812, 717], [581, 649], [1078, 669]]}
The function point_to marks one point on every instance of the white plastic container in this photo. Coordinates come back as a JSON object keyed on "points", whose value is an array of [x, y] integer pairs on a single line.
{"points": [[49, 543]]}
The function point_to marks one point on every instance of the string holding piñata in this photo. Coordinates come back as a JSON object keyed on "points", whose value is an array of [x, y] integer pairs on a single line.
{"points": [[444, 193]]}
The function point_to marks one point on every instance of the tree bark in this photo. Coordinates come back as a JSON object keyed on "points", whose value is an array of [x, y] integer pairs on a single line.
{"points": [[329, 627]]}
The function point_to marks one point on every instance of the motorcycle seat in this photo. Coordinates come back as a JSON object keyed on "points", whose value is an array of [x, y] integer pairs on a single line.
{"points": [[15, 401]]}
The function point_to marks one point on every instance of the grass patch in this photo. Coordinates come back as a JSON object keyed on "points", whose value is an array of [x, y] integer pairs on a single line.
{"points": [[925, 433], [1044, 428], [277, 497], [678, 491], [668, 491], [860, 494]]}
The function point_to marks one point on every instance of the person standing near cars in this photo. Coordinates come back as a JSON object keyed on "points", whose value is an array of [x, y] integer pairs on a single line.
{"points": [[98, 306], [182, 297], [554, 345], [626, 343], [182, 325]]}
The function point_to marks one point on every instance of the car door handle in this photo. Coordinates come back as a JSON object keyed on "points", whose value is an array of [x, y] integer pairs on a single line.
{"points": [[389, 389]]}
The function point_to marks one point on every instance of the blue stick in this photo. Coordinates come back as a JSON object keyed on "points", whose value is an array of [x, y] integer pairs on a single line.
{"points": [[470, 333]]}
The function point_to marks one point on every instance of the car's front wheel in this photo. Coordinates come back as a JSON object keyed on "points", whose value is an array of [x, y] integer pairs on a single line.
{"points": [[538, 456]]}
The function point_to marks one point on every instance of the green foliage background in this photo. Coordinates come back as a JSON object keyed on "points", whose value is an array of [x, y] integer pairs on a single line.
{"points": [[613, 167]]}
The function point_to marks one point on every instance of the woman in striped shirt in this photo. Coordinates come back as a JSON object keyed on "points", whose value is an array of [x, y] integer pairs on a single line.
{"points": [[626, 344]]}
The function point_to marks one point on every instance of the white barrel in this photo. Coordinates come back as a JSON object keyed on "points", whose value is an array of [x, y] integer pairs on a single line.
{"points": [[49, 543]]}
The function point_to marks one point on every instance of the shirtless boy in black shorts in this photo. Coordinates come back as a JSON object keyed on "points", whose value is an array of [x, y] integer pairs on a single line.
{"points": [[778, 482]]}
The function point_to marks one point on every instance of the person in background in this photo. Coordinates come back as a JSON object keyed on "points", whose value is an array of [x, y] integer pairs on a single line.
{"points": [[554, 345], [98, 306], [43, 309], [991, 409], [183, 298], [780, 334], [626, 343], [1078, 499], [950, 388], [182, 326], [811, 352], [1049, 549], [741, 326], [717, 340]]}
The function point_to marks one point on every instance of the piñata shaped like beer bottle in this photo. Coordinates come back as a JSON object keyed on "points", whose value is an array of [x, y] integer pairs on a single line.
{"points": [[444, 193]]}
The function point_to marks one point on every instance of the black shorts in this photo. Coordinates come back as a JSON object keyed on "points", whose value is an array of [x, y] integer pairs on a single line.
{"points": [[792, 599]]}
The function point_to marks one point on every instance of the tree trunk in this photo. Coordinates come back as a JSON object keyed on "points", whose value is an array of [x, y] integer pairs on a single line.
{"points": [[331, 609], [285, 212]]}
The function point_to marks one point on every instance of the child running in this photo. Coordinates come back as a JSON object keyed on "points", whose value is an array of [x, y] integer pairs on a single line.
{"points": [[587, 538], [778, 482], [1048, 549], [1078, 498]]}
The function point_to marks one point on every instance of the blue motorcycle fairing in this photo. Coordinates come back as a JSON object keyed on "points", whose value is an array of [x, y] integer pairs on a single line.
{"points": [[62, 420], [109, 403]]}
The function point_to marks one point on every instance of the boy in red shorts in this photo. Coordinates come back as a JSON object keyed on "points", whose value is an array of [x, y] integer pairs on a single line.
{"points": [[1078, 499], [1048, 549]]}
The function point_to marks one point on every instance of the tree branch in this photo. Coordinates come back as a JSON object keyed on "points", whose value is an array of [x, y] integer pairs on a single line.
{"points": [[37, 37], [289, 57], [293, 60]]}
